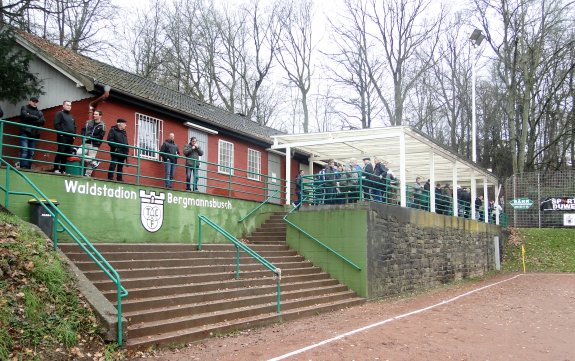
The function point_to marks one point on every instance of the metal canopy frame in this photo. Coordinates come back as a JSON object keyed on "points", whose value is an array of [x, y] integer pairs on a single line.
{"points": [[409, 154]]}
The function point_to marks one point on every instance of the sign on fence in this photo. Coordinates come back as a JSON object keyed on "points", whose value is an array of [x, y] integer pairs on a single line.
{"points": [[569, 219], [521, 203]]}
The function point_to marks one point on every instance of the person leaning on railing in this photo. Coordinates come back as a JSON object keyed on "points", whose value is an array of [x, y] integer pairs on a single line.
{"points": [[30, 115], [170, 152], [117, 136]]}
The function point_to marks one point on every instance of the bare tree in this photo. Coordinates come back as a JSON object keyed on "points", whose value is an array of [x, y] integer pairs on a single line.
{"points": [[349, 67], [148, 42], [407, 42], [295, 50]]}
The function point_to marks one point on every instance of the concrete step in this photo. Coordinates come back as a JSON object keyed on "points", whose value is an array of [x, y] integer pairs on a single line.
{"points": [[318, 279], [151, 282], [189, 320], [89, 265], [160, 247], [198, 333], [210, 303], [158, 272], [117, 256], [133, 304]]}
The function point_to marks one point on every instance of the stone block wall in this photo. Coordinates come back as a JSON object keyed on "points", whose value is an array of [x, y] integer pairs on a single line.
{"points": [[411, 250]]}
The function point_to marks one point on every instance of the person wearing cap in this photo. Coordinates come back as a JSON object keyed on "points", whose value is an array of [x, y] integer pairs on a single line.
{"points": [[118, 141], [65, 124], [192, 152], [169, 153], [30, 116]]}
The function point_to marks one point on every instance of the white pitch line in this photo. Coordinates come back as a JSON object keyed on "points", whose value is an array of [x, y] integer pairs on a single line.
{"points": [[339, 337]]}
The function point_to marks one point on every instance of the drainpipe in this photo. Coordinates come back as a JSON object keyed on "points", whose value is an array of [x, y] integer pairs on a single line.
{"points": [[98, 100]]}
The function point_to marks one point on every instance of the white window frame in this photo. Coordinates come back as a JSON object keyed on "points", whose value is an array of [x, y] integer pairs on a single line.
{"points": [[151, 130], [254, 164], [225, 157]]}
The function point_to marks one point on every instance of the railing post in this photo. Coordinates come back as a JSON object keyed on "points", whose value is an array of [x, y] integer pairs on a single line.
{"points": [[1, 139], [230, 182], [7, 202], [139, 165], [119, 307], [237, 262], [278, 294], [55, 230], [199, 233]]}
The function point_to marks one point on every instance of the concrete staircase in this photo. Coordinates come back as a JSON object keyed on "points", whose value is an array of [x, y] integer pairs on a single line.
{"points": [[272, 231], [178, 294]]}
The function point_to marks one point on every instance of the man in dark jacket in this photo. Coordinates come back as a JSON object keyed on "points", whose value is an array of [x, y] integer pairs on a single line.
{"points": [[367, 176], [192, 152], [169, 152], [94, 132], [30, 115], [65, 123], [118, 141]]}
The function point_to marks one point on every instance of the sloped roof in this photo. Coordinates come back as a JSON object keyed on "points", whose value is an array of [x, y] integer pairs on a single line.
{"points": [[90, 72]]}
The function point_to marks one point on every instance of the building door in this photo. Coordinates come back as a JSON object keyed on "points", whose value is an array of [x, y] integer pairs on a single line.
{"points": [[203, 142], [274, 173]]}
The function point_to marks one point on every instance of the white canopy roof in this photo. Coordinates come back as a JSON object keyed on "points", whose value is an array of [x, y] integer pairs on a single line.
{"points": [[408, 152], [422, 155]]}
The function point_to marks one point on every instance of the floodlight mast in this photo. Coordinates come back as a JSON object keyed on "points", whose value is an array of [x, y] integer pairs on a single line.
{"points": [[476, 38]]}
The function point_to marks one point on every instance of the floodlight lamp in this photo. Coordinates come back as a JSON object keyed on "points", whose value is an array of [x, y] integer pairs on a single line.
{"points": [[476, 37]]}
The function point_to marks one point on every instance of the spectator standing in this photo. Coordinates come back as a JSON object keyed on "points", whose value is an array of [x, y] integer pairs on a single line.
{"points": [[170, 152], [298, 188], [94, 130], [330, 183], [417, 193], [30, 115], [367, 176], [118, 141], [65, 124], [380, 173], [192, 152], [479, 208]]}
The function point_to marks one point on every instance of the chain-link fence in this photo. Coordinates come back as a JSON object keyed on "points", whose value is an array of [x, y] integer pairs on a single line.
{"points": [[541, 199]]}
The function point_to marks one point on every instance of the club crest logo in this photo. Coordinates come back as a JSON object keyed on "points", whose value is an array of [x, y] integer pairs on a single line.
{"points": [[152, 210]]}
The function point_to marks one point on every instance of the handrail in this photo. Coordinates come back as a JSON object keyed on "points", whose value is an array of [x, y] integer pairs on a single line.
{"points": [[72, 230], [239, 245], [258, 206], [317, 240]]}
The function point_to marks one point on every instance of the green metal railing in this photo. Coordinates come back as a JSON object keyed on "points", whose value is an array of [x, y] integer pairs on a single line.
{"points": [[219, 179], [317, 241], [67, 226], [351, 187], [258, 206], [240, 247]]}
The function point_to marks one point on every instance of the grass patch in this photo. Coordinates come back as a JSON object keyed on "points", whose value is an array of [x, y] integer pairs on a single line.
{"points": [[42, 314], [546, 250]]}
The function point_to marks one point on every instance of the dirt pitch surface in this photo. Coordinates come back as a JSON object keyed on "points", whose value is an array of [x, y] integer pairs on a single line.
{"points": [[505, 317]]}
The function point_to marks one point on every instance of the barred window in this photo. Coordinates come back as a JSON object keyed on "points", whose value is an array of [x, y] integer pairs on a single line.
{"points": [[254, 164], [148, 136], [225, 157]]}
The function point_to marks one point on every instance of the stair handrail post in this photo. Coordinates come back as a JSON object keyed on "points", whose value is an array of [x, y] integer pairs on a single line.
{"points": [[199, 232], [119, 308], [237, 263], [55, 231]]}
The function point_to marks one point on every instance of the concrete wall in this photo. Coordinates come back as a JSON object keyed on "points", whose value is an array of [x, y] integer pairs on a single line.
{"points": [[112, 212], [398, 249]]}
